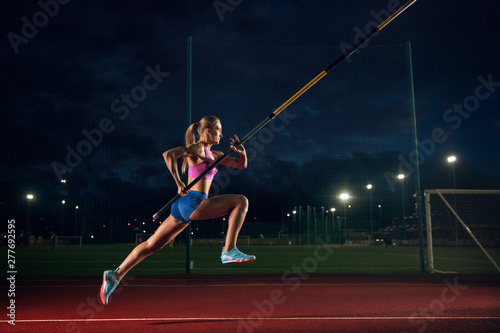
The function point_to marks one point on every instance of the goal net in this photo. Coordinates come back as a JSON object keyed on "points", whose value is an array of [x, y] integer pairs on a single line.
{"points": [[139, 238], [463, 231], [68, 241]]}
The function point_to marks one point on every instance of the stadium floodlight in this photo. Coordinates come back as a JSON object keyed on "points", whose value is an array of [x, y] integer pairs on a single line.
{"points": [[30, 196], [344, 196], [401, 176], [451, 159]]}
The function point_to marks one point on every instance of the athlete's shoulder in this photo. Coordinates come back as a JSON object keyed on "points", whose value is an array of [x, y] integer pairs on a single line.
{"points": [[218, 154], [196, 149], [194, 146]]}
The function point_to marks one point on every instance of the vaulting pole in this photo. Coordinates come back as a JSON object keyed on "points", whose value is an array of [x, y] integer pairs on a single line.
{"points": [[347, 54]]}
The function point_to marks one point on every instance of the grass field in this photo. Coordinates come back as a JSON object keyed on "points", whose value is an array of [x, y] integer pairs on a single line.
{"points": [[93, 259], [271, 259]]}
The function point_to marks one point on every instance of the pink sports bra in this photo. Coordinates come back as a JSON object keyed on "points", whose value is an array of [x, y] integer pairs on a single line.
{"points": [[196, 170]]}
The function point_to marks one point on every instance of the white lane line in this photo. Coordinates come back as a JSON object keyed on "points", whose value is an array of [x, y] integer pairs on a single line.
{"points": [[247, 319]]}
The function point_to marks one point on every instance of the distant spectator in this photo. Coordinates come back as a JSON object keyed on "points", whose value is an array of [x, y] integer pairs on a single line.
{"points": [[53, 238], [32, 240], [40, 241]]}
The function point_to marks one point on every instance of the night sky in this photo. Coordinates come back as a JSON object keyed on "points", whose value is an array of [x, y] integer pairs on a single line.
{"points": [[64, 76]]}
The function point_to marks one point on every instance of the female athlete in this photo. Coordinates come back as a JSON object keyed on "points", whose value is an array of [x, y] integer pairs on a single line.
{"points": [[193, 204]]}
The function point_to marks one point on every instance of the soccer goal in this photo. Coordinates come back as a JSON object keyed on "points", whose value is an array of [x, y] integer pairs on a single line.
{"points": [[139, 238], [68, 241], [463, 231]]}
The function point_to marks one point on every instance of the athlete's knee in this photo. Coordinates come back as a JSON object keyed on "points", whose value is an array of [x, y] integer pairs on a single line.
{"points": [[242, 201], [152, 247]]}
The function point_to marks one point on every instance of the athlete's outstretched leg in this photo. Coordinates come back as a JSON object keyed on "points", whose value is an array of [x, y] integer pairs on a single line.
{"points": [[170, 228], [167, 231]]}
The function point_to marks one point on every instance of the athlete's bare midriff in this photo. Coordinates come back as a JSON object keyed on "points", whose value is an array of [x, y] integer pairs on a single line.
{"points": [[202, 186]]}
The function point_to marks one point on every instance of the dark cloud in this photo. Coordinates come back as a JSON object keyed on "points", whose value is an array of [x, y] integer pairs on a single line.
{"points": [[352, 127]]}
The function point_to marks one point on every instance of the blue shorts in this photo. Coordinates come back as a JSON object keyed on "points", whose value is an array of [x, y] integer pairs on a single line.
{"points": [[183, 207]]}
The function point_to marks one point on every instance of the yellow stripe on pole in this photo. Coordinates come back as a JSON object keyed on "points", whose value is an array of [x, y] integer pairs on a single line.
{"points": [[300, 92], [396, 13]]}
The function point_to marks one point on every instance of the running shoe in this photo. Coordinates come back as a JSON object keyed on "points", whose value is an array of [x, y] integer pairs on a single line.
{"points": [[109, 284], [235, 255]]}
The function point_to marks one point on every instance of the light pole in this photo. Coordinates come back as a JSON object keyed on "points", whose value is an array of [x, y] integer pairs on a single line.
{"points": [[380, 216], [294, 228], [29, 197], [325, 220], [62, 215], [76, 211], [452, 159], [333, 221], [402, 177], [369, 187], [344, 197]]}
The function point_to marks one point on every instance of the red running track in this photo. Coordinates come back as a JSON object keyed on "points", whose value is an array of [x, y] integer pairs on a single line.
{"points": [[263, 303]]}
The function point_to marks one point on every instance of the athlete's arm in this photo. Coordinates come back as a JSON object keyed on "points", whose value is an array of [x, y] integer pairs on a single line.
{"points": [[238, 163], [171, 156]]}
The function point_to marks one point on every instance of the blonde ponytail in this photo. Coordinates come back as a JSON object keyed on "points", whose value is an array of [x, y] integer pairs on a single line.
{"points": [[190, 139]]}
